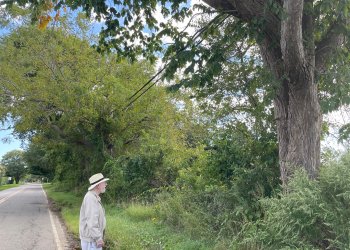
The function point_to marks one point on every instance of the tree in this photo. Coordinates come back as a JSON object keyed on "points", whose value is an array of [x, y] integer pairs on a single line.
{"points": [[2, 172], [38, 159], [295, 46], [69, 102], [15, 164], [302, 44]]}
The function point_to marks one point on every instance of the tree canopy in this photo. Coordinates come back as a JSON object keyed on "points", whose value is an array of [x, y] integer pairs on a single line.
{"points": [[302, 44], [15, 164], [69, 102]]}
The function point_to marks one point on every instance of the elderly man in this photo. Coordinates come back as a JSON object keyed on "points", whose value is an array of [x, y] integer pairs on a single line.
{"points": [[92, 221]]}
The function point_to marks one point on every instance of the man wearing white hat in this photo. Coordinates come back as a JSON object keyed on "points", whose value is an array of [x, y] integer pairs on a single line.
{"points": [[92, 220]]}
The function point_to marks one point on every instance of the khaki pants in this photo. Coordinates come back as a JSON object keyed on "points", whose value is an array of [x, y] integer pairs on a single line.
{"points": [[85, 245]]}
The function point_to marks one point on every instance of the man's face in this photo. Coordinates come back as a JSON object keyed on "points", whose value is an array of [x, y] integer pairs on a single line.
{"points": [[102, 187]]}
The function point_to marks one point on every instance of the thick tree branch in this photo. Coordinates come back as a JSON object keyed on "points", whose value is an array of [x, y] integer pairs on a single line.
{"points": [[243, 9], [249, 10], [332, 40], [220, 5], [291, 36]]}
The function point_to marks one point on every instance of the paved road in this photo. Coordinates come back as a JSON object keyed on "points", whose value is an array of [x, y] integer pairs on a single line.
{"points": [[26, 222]]}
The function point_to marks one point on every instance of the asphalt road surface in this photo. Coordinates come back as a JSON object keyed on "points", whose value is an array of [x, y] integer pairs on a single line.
{"points": [[26, 223]]}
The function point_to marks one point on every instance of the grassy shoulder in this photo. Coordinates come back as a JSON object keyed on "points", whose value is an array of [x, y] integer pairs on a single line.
{"points": [[7, 186], [131, 226]]}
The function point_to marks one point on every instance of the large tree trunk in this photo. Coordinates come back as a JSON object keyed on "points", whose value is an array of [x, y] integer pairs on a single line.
{"points": [[297, 113], [297, 108], [299, 119]]}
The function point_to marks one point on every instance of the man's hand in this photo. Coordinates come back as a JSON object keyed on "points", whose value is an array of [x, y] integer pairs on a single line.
{"points": [[100, 243]]}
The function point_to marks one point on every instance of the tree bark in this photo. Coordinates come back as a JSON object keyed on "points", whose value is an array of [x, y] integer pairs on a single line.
{"points": [[299, 119], [301, 112]]}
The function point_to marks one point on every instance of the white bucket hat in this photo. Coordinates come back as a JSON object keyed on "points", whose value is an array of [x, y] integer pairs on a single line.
{"points": [[95, 180]]}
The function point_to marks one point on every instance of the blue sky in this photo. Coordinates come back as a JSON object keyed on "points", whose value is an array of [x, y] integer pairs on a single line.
{"points": [[10, 145]]}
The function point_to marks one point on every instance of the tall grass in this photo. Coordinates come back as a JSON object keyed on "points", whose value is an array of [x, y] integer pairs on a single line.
{"points": [[129, 226]]}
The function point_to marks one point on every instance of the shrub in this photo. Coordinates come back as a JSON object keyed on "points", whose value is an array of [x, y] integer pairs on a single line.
{"points": [[314, 214], [215, 213]]}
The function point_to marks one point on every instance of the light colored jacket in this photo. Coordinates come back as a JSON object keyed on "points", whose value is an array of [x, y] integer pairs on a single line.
{"points": [[92, 220]]}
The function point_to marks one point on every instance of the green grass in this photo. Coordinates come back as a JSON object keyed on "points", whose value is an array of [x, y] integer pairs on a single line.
{"points": [[131, 226], [140, 212], [7, 186]]}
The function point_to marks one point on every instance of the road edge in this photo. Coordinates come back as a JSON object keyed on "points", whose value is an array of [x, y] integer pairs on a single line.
{"points": [[61, 236]]}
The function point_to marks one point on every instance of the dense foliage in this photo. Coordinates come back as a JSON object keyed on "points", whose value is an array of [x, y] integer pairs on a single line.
{"points": [[216, 196], [313, 215], [69, 102]]}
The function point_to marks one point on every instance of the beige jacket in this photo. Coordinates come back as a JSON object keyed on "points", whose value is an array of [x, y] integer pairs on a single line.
{"points": [[92, 221]]}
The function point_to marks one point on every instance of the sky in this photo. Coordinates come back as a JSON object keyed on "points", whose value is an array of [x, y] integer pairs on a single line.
{"points": [[10, 144]]}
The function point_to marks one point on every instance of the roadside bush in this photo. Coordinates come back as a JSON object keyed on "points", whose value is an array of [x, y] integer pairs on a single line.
{"points": [[219, 192], [215, 213], [314, 214]]}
